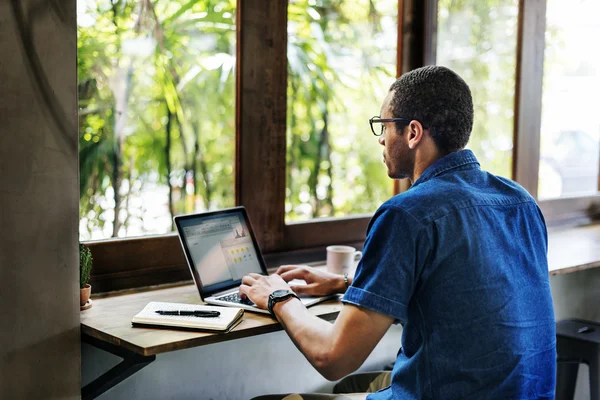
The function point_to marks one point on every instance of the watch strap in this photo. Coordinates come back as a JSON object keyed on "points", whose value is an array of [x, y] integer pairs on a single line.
{"points": [[274, 300]]}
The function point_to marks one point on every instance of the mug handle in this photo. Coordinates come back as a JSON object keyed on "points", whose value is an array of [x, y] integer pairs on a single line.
{"points": [[357, 255]]}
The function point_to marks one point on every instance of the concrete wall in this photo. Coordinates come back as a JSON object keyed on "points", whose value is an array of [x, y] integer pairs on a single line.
{"points": [[39, 191]]}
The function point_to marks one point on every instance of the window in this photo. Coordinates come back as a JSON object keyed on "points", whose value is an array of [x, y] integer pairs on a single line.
{"points": [[478, 40], [341, 62], [570, 133], [157, 115], [284, 169]]}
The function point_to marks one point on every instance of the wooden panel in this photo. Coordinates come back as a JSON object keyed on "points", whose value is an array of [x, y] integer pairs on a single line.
{"points": [[326, 231], [417, 43], [419, 32], [399, 41], [400, 47], [128, 263], [261, 116], [109, 320], [528, 96], [304, 256], [412, 35], [399, 64], [122, 264], [430, 15]]}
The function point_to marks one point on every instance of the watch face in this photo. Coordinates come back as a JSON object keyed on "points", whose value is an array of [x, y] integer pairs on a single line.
{"points": [[280, 293]]}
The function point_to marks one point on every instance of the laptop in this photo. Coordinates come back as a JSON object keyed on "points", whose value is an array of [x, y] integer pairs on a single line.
{"points": [[220, 248]]}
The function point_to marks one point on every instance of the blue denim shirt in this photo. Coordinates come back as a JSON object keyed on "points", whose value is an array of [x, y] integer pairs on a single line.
{"points": [[460, 261]]}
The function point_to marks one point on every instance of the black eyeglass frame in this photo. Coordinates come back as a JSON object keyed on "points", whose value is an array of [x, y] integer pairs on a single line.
{"points": [[376, 119]]}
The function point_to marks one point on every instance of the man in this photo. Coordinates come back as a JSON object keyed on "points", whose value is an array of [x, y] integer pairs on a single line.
{"points": [[459, 260]]}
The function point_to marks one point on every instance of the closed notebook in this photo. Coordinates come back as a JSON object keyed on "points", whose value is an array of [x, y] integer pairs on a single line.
{"points": [[229, 317]]}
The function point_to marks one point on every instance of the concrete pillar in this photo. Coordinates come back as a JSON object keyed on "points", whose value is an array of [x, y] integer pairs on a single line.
{"points": [[39, 191]]}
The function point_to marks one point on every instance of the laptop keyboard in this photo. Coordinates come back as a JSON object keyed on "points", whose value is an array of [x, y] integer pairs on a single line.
{"points": [[235, 298]]}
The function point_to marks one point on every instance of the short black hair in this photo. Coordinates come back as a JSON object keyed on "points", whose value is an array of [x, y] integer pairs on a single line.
{"points": [[438, 98]]}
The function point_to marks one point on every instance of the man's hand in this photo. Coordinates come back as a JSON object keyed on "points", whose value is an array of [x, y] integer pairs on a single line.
{"points": [[258, 287], [318, 282]]}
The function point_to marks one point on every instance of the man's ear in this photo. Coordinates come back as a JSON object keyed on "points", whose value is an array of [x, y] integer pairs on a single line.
{"points": [[415, 133]]}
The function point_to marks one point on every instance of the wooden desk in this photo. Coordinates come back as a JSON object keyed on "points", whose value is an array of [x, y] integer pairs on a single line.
{"points": [[107, 325], [110, 321]]}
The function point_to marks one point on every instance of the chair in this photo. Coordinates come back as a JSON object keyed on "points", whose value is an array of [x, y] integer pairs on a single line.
{"points": [[577, 341]]}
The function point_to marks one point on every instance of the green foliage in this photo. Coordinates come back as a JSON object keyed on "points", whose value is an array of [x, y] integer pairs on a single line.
{"points": [[85, 265], [157, 109], [341, 58], [157, 105]]}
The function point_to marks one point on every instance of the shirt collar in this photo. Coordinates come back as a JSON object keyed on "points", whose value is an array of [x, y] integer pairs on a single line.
{"points": [[451, 161]]}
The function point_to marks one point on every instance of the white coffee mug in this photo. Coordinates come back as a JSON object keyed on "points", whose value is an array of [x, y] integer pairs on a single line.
{"points": [[341, 259]]}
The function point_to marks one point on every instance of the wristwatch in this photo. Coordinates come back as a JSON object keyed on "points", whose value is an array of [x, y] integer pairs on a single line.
{"points": [[279, 295]]}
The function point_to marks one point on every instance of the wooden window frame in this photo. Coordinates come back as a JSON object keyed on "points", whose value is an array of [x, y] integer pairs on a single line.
{"points": [[121, 264], [528, 119], [529, 77], [260, 154], [417, 23]]}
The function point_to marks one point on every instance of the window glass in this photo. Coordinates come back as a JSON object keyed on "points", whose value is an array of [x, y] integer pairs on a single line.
{"points": [[570, 134], [478, 39], [341, 63], [156, 112]]}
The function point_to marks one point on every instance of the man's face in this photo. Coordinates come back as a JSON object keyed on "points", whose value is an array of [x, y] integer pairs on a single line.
{"points": [[396, 155]]}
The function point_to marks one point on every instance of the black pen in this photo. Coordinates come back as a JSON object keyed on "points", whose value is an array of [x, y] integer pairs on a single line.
{"points": [[195, 313]]}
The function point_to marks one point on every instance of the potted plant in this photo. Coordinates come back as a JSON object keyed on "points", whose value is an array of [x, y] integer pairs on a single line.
{"points": [[85, 267]]}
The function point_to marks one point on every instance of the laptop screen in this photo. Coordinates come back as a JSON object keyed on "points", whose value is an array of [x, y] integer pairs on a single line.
{"points": [[220, 247]]}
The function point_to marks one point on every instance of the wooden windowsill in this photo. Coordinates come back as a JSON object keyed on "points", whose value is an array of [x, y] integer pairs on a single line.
{"points": [[573, 249], [569, 250]]}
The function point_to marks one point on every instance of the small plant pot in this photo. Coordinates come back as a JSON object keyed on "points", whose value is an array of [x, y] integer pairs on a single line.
{"points": [[84, 295]]}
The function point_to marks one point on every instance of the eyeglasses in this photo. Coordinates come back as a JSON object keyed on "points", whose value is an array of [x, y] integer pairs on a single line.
{"points": [[378, 120]]}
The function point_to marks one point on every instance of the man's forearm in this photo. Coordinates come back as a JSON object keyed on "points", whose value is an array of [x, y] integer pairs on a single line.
{"points": [[314, 337]]}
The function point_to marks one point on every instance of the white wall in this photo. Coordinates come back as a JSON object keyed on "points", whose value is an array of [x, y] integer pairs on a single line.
{"points": [[235, 370], [39, 193]]}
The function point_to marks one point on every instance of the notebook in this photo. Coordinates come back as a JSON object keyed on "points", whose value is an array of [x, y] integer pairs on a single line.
{"points": [[228, 319], [220, 249]]}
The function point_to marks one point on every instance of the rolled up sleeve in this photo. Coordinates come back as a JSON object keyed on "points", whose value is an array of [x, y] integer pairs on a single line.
{"points": [[394, 251]]}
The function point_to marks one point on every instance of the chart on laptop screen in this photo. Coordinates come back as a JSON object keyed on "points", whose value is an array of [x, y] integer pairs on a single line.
{"points": [[221, 249]]}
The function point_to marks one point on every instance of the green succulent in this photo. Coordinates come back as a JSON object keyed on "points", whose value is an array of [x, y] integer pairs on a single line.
{"points": [[85, 265]]}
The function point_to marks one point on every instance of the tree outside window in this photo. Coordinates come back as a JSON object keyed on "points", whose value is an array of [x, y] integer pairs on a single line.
{"points": [[156, 112]]}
